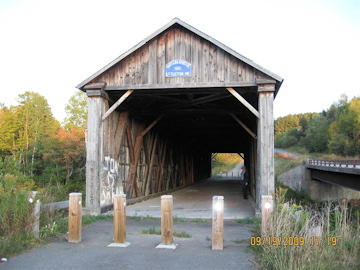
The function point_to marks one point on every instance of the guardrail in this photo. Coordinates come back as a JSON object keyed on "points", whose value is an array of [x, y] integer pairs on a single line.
{"points": [[352, 163], [43, 208]]}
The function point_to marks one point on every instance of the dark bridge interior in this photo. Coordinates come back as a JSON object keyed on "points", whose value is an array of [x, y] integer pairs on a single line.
{"points": [[200, 118]]}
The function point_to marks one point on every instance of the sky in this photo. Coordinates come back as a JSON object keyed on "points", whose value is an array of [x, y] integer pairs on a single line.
{"points": [[50, 46]]}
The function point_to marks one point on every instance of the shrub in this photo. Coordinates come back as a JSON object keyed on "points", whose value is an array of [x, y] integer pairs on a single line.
{"points": [[15, 213], [322, 237]]}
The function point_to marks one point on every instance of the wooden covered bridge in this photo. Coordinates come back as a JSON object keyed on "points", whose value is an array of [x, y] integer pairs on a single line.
{"points": [[158, 112]]}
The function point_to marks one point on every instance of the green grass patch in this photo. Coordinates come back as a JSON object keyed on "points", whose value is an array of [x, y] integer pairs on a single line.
{"points": [[247, 221], [242, 241], [140, 218], [192, 220], [152, 230], [182, 234], [88, 219]]}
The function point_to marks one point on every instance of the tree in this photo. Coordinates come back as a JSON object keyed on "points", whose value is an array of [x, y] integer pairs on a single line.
{"points": [[68, 150], [76, 111], [345, 130], [317, 134], [23, 129]]}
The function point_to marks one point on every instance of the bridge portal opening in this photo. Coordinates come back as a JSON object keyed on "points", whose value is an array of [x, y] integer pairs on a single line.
{"points": [[226, 165]]}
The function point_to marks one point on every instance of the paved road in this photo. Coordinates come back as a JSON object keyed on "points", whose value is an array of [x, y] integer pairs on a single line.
{"points": [[193, 253]]}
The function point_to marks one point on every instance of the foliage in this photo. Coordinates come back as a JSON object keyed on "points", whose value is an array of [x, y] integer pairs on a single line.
{"points": [[181, 234], [76, 112], [15, 213], [224, 162], [336, 130], [313, 237], [152, 230]]}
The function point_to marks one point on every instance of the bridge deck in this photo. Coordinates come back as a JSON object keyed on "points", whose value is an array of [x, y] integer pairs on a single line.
{"points": [[196, 201]]}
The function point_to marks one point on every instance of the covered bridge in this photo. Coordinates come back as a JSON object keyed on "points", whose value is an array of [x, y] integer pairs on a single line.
{"points": [[158, 112]]}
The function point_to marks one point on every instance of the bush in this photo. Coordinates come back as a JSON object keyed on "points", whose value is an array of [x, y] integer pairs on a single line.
{"points": [[310, 237], [15, 214]]}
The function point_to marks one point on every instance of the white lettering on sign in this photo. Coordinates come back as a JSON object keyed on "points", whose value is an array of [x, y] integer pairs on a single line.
{"points": [[178, 61], [178, 68]]}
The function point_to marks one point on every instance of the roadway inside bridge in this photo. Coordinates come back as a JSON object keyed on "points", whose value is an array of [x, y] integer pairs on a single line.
{"points": [[195, 201]]}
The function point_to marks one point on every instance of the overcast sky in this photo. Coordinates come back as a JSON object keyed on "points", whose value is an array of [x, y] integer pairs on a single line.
{"points": [[50, 46]]}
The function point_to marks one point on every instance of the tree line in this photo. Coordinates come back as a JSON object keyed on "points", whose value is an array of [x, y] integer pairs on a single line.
{"points": [[335, 130], [36, 148]]}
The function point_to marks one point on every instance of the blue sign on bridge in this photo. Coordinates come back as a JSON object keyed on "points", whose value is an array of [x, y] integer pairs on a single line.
{"points": [[178, 68]]}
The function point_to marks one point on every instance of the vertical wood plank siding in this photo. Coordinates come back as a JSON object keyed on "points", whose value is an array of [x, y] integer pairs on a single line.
{"points": [[209, 62], [142, 167]]}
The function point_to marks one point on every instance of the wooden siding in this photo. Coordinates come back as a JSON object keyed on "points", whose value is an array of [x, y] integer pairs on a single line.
{"points": [[210, 64], [143, 166]]}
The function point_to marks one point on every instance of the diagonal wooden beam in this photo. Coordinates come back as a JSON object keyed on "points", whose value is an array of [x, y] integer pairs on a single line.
{"points": [[117, 104], [151, 126], [243, 125], [244, 102]]}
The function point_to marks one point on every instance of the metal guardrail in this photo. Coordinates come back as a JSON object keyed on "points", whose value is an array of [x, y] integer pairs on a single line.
{"points": [[352, 163]]}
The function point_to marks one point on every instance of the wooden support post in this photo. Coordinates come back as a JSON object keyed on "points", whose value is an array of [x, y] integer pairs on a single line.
{"points": [[167, 222], [94, 147], [36, 213], [218, 223], [265, 147], [119, 222], [75, 217], [266, 210]]}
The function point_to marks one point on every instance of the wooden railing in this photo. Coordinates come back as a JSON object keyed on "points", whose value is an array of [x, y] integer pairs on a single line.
{"points": [[43, 208], [352, 163]]}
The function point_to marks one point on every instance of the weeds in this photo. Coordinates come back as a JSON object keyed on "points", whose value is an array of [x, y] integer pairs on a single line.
{"points": [[247, 221], [152, 230], [313, 237], [242, 241], [182, 234]]}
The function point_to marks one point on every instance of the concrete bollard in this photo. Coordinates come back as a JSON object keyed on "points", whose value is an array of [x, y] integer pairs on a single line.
{"points": [[267, 206], [119, 222], [167, 222], [218, 223], [75, 217]]}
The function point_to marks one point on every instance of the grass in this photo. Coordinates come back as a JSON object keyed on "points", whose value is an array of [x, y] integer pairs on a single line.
{"points": [[247, 221], [284, 162], [242, 241], [293, 234], [140, 218], [192, 220], [152, 230], [182, 234]]}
